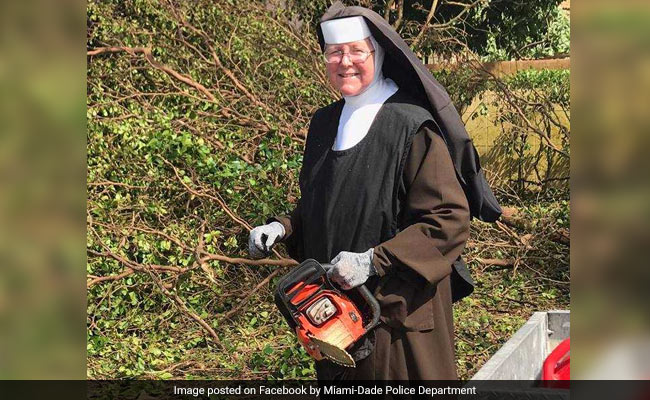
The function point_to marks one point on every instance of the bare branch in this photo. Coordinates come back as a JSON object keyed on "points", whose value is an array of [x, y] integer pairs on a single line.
{"points": [[284, 262], [466, 8], [108, 278], [217, 198], [389, 6], [425, 26], [400, 15]]}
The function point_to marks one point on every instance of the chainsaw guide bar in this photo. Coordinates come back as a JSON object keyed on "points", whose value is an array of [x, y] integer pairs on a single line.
{"points": [[334, 353]]}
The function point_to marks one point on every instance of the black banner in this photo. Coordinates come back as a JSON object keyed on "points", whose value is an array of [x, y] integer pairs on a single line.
{"points": [[191, 390]]}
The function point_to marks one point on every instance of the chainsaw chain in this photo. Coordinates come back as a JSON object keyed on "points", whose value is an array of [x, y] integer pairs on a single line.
{"points": [[324, 354], [340, 363]]}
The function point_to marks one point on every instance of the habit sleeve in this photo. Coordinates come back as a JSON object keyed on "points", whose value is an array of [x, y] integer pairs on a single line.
{"points": [[292, 232], [434, 221]]}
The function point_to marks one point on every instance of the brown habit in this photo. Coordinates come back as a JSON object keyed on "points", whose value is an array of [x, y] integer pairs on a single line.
{"points": [[415, 337]]}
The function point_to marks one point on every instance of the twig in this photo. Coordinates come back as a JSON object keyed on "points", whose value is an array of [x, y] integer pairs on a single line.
{"points": [[241, 304], [201, 261], [109, 183], [282, 261], [466, 8], [524, 302], [223, 205], [181, 304]]}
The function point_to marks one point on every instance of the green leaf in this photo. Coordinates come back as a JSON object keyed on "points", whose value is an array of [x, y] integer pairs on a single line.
{"points": [[165, 375]]}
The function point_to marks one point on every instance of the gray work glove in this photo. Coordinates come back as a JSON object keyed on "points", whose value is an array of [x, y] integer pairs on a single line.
{"points": [[350, 270], [263, 237]]}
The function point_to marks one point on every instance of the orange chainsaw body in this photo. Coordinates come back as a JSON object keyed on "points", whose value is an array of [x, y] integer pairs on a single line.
{"points": [[341, 329], [315, 309]]}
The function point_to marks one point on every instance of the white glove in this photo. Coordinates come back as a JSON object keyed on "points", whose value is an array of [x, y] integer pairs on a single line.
{"points": [[350, 270], [263, 237]]}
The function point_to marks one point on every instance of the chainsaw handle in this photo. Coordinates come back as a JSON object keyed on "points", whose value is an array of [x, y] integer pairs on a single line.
{"points": [[307, 269], [308, 272], [374, 306], [368, 297]]}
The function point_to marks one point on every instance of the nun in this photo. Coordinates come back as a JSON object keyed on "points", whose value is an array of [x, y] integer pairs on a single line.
{"points": [[389, 182]]}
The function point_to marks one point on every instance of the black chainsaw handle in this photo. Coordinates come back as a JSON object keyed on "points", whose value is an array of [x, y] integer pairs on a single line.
{"points": [[308, 272], [307, 269], [374, 306]]}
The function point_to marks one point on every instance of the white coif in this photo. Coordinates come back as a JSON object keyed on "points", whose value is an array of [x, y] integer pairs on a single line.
{"points": [[344, 30], [360, 111]]}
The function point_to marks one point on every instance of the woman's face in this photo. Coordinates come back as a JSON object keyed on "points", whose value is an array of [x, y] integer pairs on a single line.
{"points": [[348, 78]]}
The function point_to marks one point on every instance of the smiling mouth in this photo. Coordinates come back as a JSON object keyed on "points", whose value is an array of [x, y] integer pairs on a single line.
{"points": [[347, 75]]}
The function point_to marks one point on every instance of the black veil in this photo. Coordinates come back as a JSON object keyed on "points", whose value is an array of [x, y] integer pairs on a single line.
{"points": [[410, 74]]}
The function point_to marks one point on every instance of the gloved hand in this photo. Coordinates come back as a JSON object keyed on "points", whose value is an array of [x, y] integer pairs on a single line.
{"points": [[350, 270], [263, 237]]}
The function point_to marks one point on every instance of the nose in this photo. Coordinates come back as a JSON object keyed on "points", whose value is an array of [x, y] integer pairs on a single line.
{"points": [[346, 56]]}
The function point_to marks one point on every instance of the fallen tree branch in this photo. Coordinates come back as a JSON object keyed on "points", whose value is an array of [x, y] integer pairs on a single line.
{"points": [[200, 254], [131, 268], [220, 201], [525, 240], [109, 183], [499, 262], [283, 262], [202, 261], [184, 308], [101, 279], [217, 61], [511, 98], [147, 54], [181, 304], [152, 271]]}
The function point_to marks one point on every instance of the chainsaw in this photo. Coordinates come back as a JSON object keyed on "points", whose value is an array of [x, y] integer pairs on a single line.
{"points": [[325, 320]]}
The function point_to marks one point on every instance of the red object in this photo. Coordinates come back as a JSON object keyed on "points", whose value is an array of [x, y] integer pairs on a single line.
{"points": [[341, 329], [556, 366]]}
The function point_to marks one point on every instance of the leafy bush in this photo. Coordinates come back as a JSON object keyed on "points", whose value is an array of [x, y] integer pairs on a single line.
{"points": [[196, 115]]}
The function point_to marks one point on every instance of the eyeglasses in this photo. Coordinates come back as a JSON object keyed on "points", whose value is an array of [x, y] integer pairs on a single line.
{"points": [[356, 56]]}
